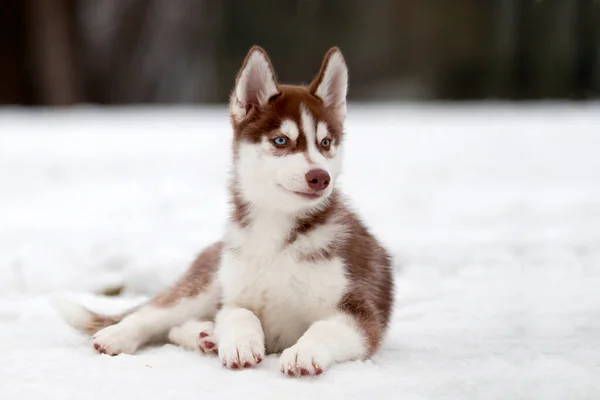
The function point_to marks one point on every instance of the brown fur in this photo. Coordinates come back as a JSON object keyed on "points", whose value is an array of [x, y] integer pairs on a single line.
{"points": [[99, 321], [370, 297], [240, 209], [199, 276]]}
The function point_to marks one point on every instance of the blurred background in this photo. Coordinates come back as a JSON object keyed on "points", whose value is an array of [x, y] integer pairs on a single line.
{"points": [[65, 52]]}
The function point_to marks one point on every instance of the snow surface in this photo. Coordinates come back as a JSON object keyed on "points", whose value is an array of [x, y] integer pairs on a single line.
{"points": [[492, 213]]}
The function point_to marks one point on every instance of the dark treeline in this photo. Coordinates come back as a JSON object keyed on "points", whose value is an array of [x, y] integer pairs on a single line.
{"points": [[60, 52]]}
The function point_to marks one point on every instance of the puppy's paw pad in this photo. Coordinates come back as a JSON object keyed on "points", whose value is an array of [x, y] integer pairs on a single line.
{"points": [[207, 343]]}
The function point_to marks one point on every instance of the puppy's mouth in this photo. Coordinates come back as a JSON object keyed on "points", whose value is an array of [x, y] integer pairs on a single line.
{"points": [[308, 195]]}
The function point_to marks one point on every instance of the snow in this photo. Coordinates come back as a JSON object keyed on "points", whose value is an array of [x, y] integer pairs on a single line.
{"points": [[491, 211]]}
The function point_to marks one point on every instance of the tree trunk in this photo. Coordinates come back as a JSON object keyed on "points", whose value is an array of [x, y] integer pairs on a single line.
{"points": [[52, 51]]}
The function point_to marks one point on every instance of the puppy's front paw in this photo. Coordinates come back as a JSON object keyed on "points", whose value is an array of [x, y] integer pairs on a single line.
{"points": [[243, 351], [304, 359], [117, 339]]}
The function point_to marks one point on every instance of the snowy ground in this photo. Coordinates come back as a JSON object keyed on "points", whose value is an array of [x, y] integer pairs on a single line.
{"points": [[492, 213]]}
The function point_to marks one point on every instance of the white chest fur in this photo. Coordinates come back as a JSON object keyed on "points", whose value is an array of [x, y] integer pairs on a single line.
{"points": [[287, 295]]}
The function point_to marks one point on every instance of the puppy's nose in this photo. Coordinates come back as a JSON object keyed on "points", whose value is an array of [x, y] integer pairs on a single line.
{"points": [[317, 179]]}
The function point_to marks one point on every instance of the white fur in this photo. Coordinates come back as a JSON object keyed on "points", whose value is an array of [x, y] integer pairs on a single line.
{"points": [[322, 131], [241, 338], [267, 278], [333, 88], [187, 335], [335, 339], [320, 238], [255, 85], [74, 314], [308, 125], [270, 180], [290, 129], [152, 323], [310, 131]]}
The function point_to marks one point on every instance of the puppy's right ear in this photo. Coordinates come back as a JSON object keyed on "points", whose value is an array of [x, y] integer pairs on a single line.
{"points": [[331, 83], [255, 85]]}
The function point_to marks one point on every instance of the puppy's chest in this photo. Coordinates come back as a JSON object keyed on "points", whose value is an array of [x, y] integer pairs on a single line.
{"points": [[278, 287]]}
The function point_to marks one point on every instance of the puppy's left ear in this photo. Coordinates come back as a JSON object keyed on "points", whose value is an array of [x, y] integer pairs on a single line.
{"points": [[255, 84], [331, 84]]}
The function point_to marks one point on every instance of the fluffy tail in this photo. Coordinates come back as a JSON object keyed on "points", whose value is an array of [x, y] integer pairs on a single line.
{"points": [[83, 319]]}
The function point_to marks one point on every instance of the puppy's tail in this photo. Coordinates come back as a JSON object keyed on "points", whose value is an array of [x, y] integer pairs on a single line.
{"points": [[82, 319]]}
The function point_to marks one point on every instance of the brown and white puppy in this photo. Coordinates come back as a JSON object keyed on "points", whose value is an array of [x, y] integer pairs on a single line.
{"points": [[297, 271]]}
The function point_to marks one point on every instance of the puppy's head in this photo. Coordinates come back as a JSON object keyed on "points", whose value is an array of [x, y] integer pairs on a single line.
{"points": [[287, 139]]}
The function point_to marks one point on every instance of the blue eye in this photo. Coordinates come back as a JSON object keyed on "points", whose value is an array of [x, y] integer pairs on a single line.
{"points": [[280, 141], [325, 142]]}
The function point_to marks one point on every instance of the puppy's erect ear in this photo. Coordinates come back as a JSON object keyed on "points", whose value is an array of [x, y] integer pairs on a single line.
{"points": [[331, 84], [255, 85]]}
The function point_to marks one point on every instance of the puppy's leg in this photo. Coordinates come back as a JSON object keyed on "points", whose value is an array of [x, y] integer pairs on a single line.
{"points": [[152, 323], [241, 338], [194, 296], [196, 336], [336, 339]]}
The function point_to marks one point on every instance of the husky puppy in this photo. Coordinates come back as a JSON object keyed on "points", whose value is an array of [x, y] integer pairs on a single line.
{"points": [[297, 272]]}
